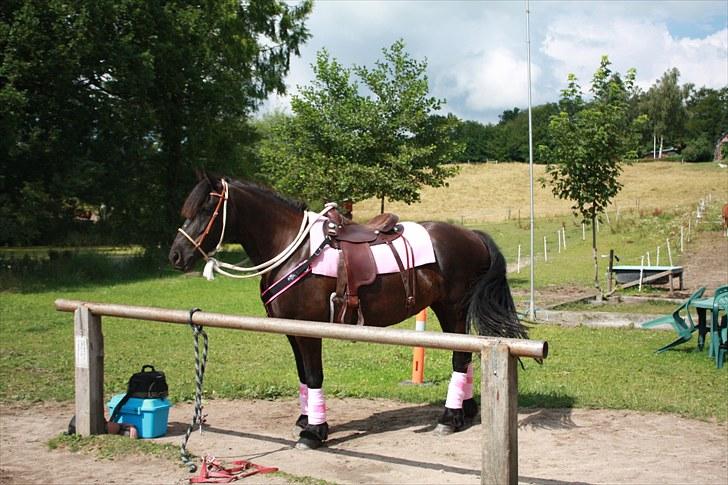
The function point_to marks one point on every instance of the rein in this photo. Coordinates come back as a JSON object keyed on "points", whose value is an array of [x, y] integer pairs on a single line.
{"points": [[213, 265]]}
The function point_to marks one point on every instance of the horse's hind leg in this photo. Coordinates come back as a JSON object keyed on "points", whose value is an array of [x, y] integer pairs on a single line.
{"points": [[302, 420], [459, 404]]}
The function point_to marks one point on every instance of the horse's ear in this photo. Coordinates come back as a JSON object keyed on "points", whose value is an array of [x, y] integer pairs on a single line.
{"points": [[203, 175]]}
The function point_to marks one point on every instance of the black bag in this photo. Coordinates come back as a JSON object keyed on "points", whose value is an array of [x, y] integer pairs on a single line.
{"points": [[147, 384]]}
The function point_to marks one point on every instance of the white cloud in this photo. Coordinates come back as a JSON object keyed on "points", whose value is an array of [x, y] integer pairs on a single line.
{"points": [[476, 51], [495, 78], [575, 44]]}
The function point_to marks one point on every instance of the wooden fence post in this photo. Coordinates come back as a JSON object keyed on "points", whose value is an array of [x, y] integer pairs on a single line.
{"points": [[89, 358], [499, 415]]}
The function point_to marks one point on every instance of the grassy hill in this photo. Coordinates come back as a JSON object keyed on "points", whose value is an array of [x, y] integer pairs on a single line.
{"points": [[490, 192]]}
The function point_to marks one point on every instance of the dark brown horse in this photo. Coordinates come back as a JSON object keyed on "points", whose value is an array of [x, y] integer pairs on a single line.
{"points": [[465, 287]]}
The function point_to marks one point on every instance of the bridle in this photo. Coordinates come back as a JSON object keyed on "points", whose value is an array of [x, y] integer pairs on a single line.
{"points": [[221, 202], [214, 265]]}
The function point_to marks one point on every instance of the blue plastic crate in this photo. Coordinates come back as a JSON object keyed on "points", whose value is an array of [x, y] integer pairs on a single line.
{"points": [[148, 416]]}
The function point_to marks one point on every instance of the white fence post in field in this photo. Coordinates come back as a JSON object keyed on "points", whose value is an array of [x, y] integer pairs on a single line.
{"points": [[89, 364]]}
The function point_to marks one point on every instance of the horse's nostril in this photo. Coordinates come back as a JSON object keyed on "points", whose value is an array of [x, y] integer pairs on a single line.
{"points": [[175, 257]]}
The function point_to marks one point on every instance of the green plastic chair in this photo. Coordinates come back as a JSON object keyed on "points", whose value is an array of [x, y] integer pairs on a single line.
{"points": [[719, 326], [684, 327]]}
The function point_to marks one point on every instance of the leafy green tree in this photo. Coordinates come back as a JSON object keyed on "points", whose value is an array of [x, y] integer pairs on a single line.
{"points": [[343, 144], [707, 113], [589, 141], [118, 102], [664, 105], [477, 140]]}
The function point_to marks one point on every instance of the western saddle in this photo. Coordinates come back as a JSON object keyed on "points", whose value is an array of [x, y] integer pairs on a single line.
{"points": [[357, 267]]}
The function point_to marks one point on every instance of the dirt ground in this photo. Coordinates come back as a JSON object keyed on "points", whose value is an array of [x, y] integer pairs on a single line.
{"points": [[386, 442]]}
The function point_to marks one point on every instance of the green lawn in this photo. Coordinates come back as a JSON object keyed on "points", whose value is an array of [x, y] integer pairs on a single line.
{"points": [[585, 368]]}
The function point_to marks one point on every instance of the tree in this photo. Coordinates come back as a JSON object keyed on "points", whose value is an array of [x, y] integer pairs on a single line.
{"points": [[589, 142], [341, 144], [477, 141], [118, 102], [666, 111], [707, 113]]}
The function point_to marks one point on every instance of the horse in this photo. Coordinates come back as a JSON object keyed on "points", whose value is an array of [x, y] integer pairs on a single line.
{"points": [[465, 286], [724, 214]]}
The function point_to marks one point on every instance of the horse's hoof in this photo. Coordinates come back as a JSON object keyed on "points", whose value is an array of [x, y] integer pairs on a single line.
{"points": [[313, 436], [454, 419], [443, 430], [470, 408], [301, 424], [308, 443]]}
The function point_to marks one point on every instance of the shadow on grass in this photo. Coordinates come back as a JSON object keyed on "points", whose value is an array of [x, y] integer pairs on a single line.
{"points": [[59, 269], [545, 400]]}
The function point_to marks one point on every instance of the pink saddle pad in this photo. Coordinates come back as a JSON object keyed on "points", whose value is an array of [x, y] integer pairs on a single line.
{"points": [[326, 264]]}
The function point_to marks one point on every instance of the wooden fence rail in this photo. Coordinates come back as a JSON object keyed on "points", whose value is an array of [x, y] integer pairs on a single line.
{"points": [[499, 379]]}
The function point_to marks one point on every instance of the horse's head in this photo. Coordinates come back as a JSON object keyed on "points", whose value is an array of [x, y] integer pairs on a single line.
{"points": [[203, 230]]}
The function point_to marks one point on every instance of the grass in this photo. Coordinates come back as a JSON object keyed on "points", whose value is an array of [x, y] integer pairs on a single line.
{"points": [[642, 307], [109, 447], [587, 368], [590, 368]]}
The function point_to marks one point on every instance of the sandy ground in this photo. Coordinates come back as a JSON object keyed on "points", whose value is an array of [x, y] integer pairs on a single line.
{"points": [[378, 441]]}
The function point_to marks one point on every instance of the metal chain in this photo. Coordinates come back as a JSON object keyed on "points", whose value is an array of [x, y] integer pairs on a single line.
{"points": [[200, 365]]}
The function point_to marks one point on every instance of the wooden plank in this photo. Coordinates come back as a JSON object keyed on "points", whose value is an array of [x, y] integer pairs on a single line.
{"points": [[499, 415], [647, 279], [89, 357]]}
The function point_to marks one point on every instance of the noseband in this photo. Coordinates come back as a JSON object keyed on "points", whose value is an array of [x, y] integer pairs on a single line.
{"points": [[197, 242]]}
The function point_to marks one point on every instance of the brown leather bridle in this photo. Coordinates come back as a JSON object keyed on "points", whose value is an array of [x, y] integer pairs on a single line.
{"points": [[221, 202]]}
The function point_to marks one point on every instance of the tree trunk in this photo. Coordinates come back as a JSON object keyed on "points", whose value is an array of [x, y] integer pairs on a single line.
{"points": [[654, 146], [661, 140], [381, 207], [594, 252]]}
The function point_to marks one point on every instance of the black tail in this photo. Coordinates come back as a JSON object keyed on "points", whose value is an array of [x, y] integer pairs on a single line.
{"points": [[489, 303]]}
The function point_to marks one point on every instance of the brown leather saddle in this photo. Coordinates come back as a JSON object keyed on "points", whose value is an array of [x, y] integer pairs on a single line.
{"points": [[357, 267]]}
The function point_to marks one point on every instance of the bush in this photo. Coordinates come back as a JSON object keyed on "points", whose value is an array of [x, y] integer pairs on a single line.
{"points": [[698, 150]]}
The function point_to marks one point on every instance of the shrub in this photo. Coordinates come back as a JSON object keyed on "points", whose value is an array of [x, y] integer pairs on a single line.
{"points": [[698, 150]]}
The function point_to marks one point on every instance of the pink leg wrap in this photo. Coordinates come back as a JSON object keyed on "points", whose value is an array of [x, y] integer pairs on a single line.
{"points": [[303, 398], [316, 406], [456, 390], [469, 383]]}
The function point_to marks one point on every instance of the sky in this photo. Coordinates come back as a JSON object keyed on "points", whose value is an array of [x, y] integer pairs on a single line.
{"points": [[477, 53]]}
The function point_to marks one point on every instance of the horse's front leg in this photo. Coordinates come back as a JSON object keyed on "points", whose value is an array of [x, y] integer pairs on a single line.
{"points": [[302, 420], [316, 429]]}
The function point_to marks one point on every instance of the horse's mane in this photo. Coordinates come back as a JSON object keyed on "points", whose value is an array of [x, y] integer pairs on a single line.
{"points": [[199, 195]]}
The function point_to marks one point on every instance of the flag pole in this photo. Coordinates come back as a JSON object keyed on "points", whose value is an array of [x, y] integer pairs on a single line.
{"points": [[531, 303]]}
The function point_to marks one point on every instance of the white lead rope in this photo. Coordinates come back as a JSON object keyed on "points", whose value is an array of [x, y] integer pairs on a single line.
{"points": [[213, 265]]}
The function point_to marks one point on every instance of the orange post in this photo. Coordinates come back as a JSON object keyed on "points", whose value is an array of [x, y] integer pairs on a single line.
{"points": [[418, 353]]}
